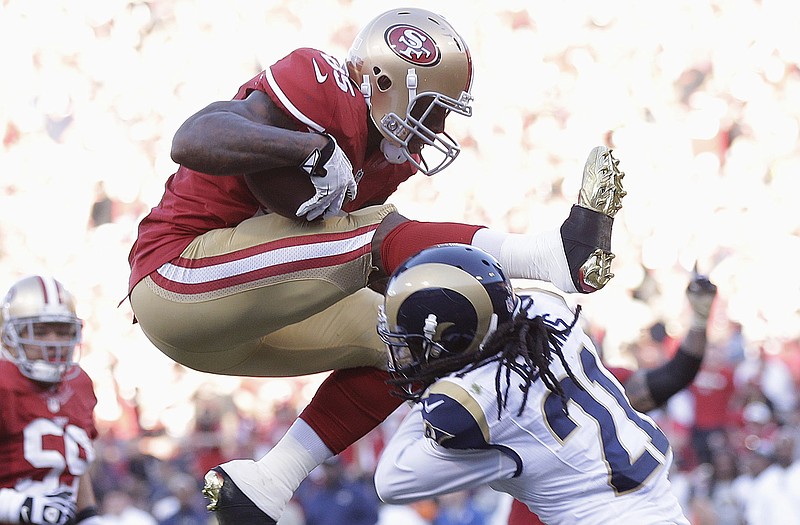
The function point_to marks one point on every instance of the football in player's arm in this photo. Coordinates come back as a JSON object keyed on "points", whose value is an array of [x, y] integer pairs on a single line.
{"points": [[46, 409], [510, 391]]}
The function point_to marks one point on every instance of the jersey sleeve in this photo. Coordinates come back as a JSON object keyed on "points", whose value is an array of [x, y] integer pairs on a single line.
{"points": [[456, 420], [314, 89], [413, 467], [299, 83], [87, 401], [453, 418]]}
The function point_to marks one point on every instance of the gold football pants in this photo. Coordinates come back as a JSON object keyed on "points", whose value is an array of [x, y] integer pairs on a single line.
{"points": [[268, 297]]}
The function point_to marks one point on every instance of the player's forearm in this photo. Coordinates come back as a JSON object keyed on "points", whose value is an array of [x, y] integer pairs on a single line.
{"points": [[221, 142], [85, 496], [677, 373], [87, 513], [694, 343]]}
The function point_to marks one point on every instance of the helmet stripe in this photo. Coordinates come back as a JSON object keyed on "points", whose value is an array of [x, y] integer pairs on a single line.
{"points": [[53, 293], [44, 288]]}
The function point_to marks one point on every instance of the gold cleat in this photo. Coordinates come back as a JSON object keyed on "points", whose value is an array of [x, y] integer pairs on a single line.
{"points": [[212, 486], [230, 505], [596, 271], [601, 188], [586, 233]]}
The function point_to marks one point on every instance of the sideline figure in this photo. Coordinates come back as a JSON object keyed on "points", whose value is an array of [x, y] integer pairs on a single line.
{"points": [[221, 284], [46, 409], [510, 391]]}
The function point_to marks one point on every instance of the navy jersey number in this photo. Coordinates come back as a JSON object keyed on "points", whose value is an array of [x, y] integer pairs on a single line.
{"points": [[626, 473]]}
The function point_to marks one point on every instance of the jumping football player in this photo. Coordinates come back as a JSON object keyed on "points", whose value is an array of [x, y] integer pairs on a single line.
{"points": [[221, 284]]}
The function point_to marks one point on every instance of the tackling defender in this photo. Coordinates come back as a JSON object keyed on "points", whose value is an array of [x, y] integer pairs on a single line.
{"points": [[510, 391]]}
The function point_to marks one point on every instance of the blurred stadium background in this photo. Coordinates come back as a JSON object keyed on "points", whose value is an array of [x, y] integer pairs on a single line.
{"points": [[699, 99]]}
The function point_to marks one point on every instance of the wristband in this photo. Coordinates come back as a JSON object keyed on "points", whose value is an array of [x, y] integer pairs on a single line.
{"points": [[315, 162], [85, 514], [10, 503], [91, 520]]}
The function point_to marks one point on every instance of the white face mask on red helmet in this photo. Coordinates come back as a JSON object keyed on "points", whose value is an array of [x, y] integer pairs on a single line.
{"points": [[40, 329], [409, 56]]}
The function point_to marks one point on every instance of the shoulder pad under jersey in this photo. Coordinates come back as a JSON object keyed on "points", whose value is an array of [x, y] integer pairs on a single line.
{"points": [[453, 418]]}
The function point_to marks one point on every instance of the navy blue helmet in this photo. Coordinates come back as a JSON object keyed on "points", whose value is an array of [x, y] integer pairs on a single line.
{"points": [[442, 301]]}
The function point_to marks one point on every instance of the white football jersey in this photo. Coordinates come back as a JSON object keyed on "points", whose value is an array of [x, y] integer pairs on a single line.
{"points": [[598, 461]]}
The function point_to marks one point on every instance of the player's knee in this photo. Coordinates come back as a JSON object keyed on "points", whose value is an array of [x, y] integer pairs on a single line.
{"points": [[379, 276]]}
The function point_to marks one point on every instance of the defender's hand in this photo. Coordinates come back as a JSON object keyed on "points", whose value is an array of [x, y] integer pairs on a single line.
{"points": [[332, 175]]}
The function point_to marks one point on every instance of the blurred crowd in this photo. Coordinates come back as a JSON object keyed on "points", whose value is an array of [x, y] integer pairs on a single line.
{"points": [[735, 434], [698, 99]]}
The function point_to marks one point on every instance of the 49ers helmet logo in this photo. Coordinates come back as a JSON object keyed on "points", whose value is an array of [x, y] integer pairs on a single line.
{"points": [[413, 45]]}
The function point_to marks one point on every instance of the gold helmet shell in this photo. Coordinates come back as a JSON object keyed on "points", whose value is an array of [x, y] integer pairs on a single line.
{"points": [[405, 56], [40, 329]]}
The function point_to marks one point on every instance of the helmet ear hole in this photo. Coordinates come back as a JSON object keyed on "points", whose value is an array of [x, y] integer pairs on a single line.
{"points": [[384, 83], [387, 52]]}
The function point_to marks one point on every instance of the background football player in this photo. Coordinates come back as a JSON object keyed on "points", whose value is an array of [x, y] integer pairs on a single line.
{"points": [[223, 285], [46, 409], [510, 391]]}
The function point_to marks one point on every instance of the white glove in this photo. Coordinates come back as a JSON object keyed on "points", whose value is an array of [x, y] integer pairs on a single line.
{"points": [[332, 175], [49, 509], [701, 293]]}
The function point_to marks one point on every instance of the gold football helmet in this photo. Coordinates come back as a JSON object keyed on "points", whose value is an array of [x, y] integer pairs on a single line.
{"points": [[40, 329], [413, 69]]}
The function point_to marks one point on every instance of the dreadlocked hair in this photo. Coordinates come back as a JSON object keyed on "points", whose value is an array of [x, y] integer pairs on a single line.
{"points": [[537, 343], [413, 384], [534, 340]]}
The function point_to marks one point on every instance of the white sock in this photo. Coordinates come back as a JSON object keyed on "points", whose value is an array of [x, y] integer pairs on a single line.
{"points": [[310, 440], [529, 256], [276, 476]]}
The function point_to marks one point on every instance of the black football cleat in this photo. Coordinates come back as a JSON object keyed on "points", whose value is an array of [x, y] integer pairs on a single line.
{"points": [[229, 503], [586, 233]]}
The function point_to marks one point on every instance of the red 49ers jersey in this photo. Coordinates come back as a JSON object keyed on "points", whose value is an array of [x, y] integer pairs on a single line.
{"points": [[314, 89], [45, 434]]}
